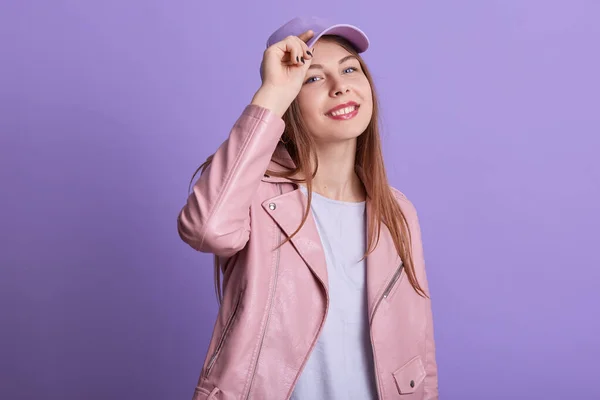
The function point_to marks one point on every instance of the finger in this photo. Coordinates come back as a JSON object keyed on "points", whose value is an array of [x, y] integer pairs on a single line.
{"points": [[306, 53], [295, 50], [306, 36], [287, 57]]}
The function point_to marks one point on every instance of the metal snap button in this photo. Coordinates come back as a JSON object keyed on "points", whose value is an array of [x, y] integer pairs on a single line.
{"points": [[272, 206], [412, 384]]}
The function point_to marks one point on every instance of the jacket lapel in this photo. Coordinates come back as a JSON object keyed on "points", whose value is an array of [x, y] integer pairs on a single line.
{"points": [[287, 211]]}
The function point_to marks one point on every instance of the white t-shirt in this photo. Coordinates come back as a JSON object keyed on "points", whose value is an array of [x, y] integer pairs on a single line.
{"points": [[340, 367]]}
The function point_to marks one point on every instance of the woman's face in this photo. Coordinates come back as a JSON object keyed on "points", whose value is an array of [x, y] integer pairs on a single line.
{"points": [[335, 78]]}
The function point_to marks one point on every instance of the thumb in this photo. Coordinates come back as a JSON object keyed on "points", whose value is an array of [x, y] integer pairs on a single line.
{"points": [[306, 36]]}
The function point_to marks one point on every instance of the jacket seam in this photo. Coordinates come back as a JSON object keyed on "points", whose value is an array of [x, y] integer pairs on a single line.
{"points": [[425, 379], [226, 185], [254, 359]]}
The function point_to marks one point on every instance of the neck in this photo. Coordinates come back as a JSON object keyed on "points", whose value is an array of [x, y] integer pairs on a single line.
{"points": [[336, 177]]}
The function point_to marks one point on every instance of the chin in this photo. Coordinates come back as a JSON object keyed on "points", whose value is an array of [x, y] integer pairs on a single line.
{"points": [[339, 136], [333, 131]]}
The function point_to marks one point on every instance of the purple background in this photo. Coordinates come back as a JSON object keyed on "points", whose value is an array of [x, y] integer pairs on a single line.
{"points": [[491, 120]]}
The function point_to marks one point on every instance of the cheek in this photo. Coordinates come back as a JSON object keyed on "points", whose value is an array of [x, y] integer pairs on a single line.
{"points": [[366, 91], [311, 111], [368, 104], [307, 103]]}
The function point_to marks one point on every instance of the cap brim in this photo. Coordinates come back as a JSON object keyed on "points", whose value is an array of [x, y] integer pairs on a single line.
{"points": [[349, 32]]}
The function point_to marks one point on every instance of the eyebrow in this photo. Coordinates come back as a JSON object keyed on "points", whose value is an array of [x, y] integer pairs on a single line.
{"points": [[343, 60]]}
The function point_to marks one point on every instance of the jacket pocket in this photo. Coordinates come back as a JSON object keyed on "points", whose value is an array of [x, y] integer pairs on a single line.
{"points": [[226, 330], [410, 376], [204, 394]]}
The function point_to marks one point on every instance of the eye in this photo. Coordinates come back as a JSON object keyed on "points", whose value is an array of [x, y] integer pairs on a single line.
{"points": [[315, 78]]}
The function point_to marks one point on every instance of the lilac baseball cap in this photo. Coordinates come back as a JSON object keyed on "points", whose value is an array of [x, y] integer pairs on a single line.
{"points": [[320, 27]]}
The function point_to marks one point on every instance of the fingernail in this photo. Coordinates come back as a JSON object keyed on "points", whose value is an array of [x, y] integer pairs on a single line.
{"points": [[309, 53], [302, 59]]}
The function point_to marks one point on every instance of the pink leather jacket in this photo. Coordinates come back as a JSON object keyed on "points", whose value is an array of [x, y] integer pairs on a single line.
{"points": [[275, 302]]}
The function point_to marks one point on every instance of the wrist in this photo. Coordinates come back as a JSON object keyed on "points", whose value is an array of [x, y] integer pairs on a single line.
{"points": [[272, 98]]}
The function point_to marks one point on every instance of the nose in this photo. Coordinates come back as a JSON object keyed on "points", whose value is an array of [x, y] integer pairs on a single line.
{"points": [[339, 88]]}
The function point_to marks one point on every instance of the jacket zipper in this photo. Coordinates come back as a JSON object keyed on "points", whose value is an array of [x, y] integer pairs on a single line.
{"points": [[385, 294], [262, 339], [393, 282], [217, 351]]}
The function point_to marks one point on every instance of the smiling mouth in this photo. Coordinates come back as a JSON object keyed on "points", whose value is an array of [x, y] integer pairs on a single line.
{"points": [[344, 111], [344, 114]]}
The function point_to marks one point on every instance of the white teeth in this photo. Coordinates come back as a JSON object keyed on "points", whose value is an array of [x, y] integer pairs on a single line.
{"points": [[343, 111]]}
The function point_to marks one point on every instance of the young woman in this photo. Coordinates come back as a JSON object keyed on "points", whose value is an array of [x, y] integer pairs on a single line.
{"points": [[325, 294]]}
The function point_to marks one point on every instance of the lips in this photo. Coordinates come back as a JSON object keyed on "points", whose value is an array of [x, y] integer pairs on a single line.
{"points": [[345, 117], [342, 106]]}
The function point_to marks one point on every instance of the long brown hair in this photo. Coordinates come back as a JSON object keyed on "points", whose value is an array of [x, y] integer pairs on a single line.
{"points": [[369, 157]]}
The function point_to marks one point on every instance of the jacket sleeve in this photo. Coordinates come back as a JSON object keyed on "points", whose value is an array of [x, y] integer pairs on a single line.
{"points": [[216, 217], [431, 371]]}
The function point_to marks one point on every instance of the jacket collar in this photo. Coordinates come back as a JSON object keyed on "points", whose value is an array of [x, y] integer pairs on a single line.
{"points": [[287, 210]]}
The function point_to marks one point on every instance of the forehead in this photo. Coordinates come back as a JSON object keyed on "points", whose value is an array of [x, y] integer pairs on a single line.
{"points": [[327, 51]]}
